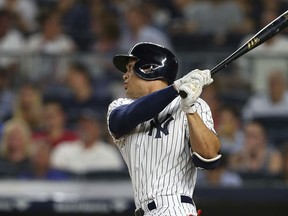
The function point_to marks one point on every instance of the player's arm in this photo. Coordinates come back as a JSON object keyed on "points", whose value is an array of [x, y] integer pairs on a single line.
{"points": [[205, 144], [126, 117]]}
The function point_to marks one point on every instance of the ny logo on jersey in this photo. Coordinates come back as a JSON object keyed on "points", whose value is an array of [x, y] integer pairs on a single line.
{"points": [[158, 125]]}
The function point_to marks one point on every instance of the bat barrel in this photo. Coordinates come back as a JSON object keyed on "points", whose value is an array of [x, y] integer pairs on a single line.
{"points": [[263, 35]]}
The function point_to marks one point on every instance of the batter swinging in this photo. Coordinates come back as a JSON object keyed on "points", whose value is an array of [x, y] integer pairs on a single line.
{"points": [[162, 137]]}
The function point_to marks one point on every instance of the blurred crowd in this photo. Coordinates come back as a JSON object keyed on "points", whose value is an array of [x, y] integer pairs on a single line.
{"points": [[57, 80]]}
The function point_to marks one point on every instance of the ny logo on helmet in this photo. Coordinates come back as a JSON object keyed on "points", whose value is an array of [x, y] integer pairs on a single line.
{"points": [[155, 123]]}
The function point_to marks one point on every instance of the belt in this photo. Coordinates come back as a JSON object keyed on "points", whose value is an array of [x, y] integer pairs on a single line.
{"points": [[152, 205]]}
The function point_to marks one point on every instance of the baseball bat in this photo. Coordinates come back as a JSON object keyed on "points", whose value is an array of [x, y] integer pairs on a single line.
{"points": [[260, 37]]}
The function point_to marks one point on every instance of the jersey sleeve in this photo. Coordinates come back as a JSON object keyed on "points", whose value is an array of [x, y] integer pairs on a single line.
{"points": [[116, 103], [126, 116], [205, 113]]}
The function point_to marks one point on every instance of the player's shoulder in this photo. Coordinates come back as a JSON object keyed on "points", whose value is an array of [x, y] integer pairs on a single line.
{"points": [[201, 101], [120, 102], [202, 105]]}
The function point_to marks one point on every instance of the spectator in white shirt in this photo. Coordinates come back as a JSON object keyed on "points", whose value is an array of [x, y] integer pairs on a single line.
{"points": [[272, 103], [11, 40], [50, 40], [138, 28], [89, 153], [24, 13], [44, 45]]}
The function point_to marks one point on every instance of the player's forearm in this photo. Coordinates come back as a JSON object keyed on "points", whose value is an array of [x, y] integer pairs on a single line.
{"points": [[202, 139]]}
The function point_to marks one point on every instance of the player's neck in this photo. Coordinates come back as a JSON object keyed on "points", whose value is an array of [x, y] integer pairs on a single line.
{"points": [[157, 85]]}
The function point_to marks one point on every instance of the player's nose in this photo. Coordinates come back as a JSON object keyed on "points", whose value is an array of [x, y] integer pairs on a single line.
{"points": [[125, 75]]}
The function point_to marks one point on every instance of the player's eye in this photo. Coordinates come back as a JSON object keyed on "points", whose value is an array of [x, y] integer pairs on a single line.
{"points": [[129, 67], [147, 67]]}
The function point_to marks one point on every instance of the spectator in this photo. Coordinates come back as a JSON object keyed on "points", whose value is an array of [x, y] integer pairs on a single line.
{"points": [[89, 153], [159, 12], [285, 163], [11, 40], [106, 28], [258, 158], [107, 42], [50, 39], [46, 44], [15, 148], [54, 125], [220, 177], [210, 17], [80, 81], [7, 95], [24, 13], [40, 164], [75, 19], [119, 5], [28, 106], [107, 32], [138, 29], [272, 103], [229, 130]]}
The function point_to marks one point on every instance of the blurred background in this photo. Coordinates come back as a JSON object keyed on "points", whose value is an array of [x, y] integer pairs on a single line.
{"points": [[57, 80]]}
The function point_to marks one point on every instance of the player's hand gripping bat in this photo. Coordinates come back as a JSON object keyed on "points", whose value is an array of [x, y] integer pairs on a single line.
{"points": [[260, 37]]}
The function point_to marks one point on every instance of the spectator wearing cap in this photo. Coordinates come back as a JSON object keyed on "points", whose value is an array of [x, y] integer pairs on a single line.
{"points": [[88, 154]]}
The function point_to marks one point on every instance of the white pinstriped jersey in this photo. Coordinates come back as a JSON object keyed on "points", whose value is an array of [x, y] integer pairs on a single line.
{"points": [[157, 152]]}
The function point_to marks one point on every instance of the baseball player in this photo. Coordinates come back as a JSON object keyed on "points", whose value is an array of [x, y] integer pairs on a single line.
{"points": [[162, 137]]}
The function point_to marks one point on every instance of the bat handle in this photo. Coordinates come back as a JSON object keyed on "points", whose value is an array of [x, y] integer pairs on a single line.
{"points": [[182, 94]]}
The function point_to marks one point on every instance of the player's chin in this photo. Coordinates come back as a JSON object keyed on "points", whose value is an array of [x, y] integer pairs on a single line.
{"points": [[128, 93]]}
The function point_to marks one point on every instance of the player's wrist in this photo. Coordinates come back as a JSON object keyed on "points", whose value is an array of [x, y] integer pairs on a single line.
{"points": [[175, 87], [188, 109], [193, 91], [178, 83]]}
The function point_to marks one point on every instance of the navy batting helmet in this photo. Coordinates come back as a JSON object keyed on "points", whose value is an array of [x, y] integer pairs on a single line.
{"points": [[153, 62]]}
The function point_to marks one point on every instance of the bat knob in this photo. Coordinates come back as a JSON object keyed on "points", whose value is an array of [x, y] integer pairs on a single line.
{"points": [[182, 94]]}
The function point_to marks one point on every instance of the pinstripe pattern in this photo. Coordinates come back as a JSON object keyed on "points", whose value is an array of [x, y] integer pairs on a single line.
{"points": [[162, 166]]}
